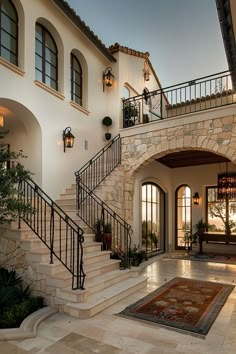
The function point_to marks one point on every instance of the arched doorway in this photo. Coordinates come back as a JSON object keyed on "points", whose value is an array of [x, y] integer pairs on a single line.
{"points": [[183, 207], [153, 219]]}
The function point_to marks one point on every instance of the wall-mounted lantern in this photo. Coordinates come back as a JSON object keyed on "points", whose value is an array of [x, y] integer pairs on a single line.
{"points": [[196, 198], [108, 78], [68, 138]]}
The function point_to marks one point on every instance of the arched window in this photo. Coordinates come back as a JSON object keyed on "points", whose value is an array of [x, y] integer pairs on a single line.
{"points": [[46, 61], [76, 80], [153, 214], [183, 201], [9, 32]]}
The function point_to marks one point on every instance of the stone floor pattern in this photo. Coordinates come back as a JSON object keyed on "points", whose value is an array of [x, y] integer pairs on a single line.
{"points": [[107, 333]]}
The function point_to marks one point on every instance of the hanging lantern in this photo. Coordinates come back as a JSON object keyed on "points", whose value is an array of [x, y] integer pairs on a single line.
{"points": [[226, 187]]}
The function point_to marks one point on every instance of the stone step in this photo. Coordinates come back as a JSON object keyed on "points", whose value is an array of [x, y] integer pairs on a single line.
{"points": [[104, 298], [34, 243], [63, 279], [94, 285]]}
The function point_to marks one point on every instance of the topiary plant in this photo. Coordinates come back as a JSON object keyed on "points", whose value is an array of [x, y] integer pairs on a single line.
{"points": [[107, 121]]}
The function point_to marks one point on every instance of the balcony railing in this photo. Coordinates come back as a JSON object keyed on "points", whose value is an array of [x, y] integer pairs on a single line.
{"points": [[192, 96]]}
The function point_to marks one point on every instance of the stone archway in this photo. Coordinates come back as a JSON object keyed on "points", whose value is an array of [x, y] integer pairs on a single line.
{"points": [[139, 150]]}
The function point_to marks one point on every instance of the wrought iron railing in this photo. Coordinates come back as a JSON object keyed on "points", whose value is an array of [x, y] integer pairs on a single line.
{"points": [[91, 209], [101, 165], [55, 228], [98, 216], [192, 96]]}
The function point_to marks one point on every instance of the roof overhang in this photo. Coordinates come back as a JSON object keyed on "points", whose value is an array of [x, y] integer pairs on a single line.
{"points": [[71, 14], [227, 18]]}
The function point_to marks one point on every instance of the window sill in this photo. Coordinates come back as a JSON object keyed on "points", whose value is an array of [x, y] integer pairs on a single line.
{"points": [[80, 108], [49, 89], [12, 67]]}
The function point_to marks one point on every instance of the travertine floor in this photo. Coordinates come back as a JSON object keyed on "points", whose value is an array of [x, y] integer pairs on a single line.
{"points": [[107, 333]]}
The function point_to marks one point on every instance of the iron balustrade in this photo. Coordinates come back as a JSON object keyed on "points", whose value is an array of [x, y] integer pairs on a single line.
{"points": [[55, 228], [92, 210], [101, 165], [188, 97]]}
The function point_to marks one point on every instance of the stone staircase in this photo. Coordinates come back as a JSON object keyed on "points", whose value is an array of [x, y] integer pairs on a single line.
{"points": [[105, 283]]}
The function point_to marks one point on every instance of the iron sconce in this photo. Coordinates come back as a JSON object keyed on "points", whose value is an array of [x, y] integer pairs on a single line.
{"points": [[68, 138], [108, 78], [196, 198]]}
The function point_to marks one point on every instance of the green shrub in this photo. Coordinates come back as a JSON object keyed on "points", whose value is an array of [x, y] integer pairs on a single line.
{"points": [[9, 278], [14, 316], [16, 302]]}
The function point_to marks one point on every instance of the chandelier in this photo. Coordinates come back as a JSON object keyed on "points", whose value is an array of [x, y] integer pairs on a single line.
{"points": [[226, 187]]}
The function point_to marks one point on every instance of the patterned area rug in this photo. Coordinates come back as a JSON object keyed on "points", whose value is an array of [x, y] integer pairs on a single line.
{"points": [[185, 304]]}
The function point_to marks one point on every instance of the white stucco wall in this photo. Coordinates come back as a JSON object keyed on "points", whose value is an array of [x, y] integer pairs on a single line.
{"points": [[41, 139]]}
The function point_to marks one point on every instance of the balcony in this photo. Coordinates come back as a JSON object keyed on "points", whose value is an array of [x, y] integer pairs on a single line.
{"points": [[193, 96]]}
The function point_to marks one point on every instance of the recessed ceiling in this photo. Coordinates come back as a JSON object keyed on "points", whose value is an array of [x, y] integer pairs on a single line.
{"points": [[191, 158]]}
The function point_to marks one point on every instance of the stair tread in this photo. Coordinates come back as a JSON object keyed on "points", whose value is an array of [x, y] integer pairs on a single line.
{"points": [[65, 274], [100, 279], [111, 291]]}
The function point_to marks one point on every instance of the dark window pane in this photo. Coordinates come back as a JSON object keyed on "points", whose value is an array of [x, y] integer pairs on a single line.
{"points": [[38, 75], [8, 25], [9, 9], [39, 33], [39, 62], [8, 42], [46, 56], [51, 57], [39, 48], [50, 43], [51, 71]]}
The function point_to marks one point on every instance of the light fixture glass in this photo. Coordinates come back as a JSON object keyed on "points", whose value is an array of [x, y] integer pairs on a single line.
{"points": [[68, 138], [196, 198], [108, 78], [1, 121]]}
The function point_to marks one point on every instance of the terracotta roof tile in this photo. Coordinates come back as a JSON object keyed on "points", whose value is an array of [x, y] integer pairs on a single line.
{"points": [[70, 12], [119, 48]]}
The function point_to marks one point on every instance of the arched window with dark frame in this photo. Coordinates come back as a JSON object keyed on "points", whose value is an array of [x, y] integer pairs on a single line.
{"points": [[183, 202], [9, 32], [153, 219], [46, 57], [76, 80]]}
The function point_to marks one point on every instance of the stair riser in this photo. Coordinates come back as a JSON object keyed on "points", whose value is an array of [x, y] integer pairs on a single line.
{"points": [[96, 272], [87, 313], [50, 269], [95, 259]]}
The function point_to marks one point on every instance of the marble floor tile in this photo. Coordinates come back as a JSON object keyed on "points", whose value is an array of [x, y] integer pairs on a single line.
{"points": [[108, 333]]}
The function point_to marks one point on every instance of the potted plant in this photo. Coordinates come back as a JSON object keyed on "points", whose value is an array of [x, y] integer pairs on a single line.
{"points": [[99, 231], [107, 236], [107, 121], [200, 227]]}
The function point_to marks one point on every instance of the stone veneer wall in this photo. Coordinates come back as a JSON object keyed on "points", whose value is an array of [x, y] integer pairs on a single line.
{"points": [[216, 135]]}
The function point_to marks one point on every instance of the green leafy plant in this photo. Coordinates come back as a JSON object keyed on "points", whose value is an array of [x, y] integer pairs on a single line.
{"points": [[11, 177], [9, 278], [107, 121], [14, 316], [107, 228], [16, 302]]}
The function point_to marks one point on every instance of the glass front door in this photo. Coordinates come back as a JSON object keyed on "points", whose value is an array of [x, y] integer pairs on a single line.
{"points": [[153, 230]]}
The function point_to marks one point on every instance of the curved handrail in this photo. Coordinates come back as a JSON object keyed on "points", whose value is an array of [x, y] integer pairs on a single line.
{"points": [[55, 228]]}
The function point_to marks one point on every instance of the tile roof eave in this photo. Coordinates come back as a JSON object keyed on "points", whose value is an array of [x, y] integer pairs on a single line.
{"points": [[68, 11]]}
